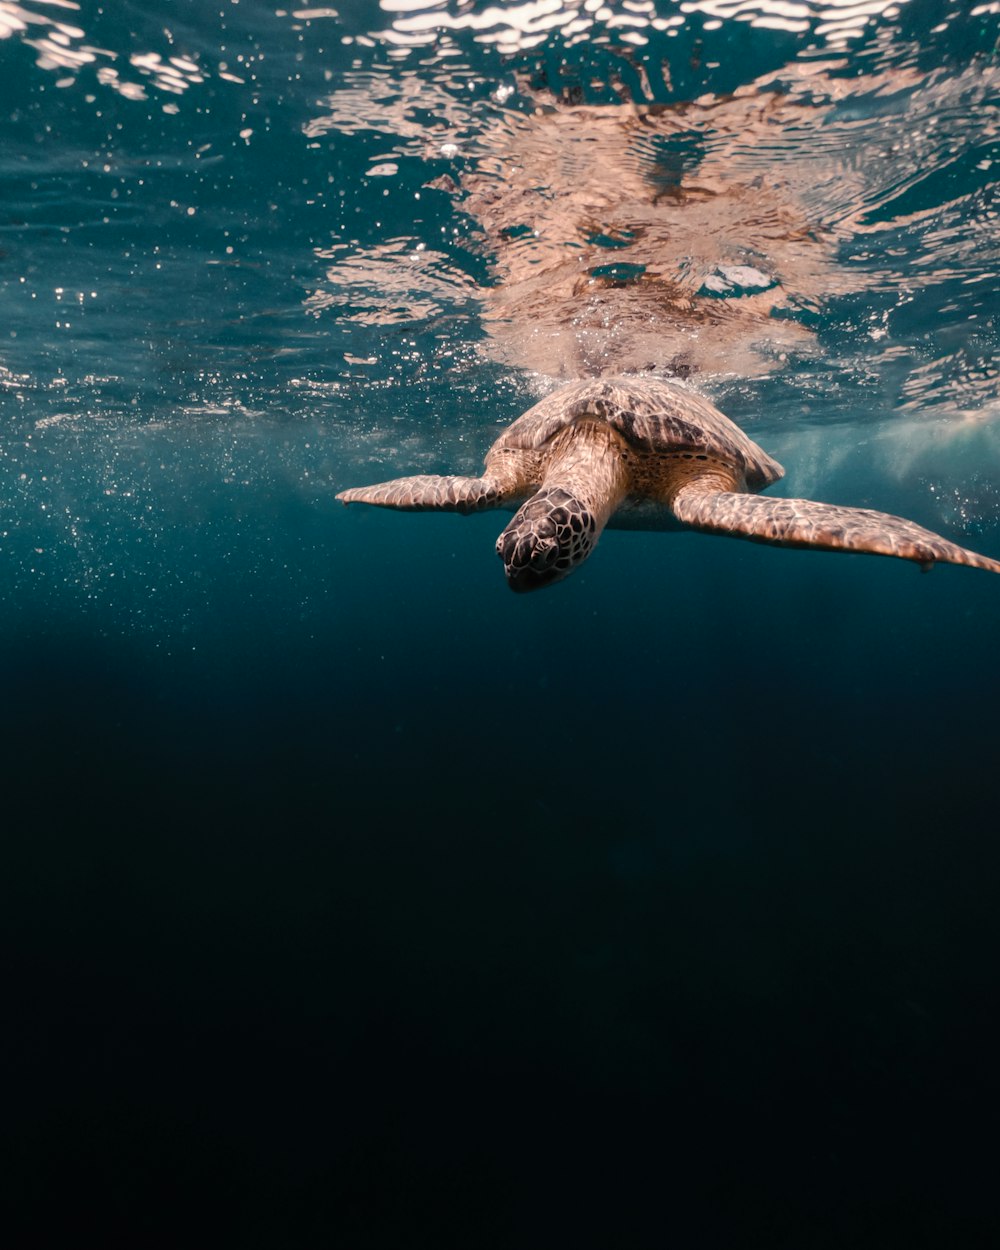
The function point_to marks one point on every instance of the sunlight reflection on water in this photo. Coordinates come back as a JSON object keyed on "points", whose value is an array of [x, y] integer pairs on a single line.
{"points": [[519, 27]]}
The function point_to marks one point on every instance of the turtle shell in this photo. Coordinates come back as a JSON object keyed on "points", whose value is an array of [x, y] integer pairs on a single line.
{"points": [[650, 414]]}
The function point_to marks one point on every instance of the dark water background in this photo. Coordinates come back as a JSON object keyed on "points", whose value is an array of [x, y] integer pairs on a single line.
{"points": [[349, 899]]}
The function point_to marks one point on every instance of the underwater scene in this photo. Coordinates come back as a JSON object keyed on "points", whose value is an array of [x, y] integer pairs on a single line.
{"points": [[349, 899]]}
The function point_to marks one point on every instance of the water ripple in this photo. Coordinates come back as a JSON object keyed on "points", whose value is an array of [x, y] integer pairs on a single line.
{"points": [[717, 234], [519, 27]]}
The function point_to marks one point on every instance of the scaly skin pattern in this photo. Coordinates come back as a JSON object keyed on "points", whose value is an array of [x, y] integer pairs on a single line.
{"points": [[822, 526], [509, 477], [586, 477], [431, 493]]}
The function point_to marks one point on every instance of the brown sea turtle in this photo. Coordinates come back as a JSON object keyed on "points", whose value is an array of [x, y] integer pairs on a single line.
{"points": [[637, 453]]}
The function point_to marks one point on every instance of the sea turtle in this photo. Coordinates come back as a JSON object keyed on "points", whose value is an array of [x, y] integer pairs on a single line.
{"points": [[639, 453]]}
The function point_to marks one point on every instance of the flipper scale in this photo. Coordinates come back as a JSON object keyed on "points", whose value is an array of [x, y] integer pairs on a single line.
{"points": [[821, 526], [428, 493]]}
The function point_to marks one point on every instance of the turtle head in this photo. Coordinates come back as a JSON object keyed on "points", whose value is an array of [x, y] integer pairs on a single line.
{"points": [[549, 536]]}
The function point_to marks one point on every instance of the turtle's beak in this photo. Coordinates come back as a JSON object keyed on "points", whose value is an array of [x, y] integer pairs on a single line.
{"points": [[529, 557], [522, 580]]}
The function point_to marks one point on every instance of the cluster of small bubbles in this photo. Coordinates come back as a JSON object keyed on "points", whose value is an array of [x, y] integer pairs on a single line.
{"points": [[971, 506]]}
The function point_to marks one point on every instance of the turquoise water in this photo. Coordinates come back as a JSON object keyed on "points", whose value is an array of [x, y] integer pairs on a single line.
{"points": [[349, 898]]}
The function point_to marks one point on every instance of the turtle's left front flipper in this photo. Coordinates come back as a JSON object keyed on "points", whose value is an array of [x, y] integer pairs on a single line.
{"points": [[429, 493], [827, 527]]}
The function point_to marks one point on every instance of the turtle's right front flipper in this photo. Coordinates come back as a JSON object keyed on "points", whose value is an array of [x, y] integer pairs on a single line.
{"points": [[825, 527], [429, 494]]}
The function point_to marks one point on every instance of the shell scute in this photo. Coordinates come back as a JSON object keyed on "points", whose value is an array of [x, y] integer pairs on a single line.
{"points": [[650, 414]]}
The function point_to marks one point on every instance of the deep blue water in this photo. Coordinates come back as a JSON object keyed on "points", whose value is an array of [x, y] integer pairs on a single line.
{"points": [[350, 899]]}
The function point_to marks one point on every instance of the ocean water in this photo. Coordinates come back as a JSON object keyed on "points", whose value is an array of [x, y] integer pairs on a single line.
{"points": [[349, 899]]}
